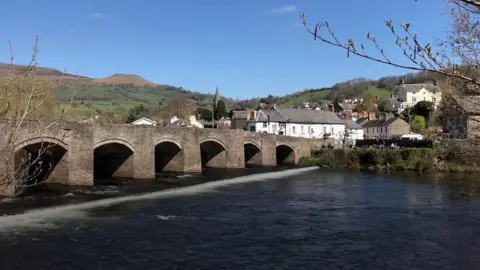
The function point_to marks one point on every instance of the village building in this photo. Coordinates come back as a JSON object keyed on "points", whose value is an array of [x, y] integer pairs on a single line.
{"points": [[239, 119], [385, 127], [411, 94], [144, 121], [298, 123], [461, 117]]}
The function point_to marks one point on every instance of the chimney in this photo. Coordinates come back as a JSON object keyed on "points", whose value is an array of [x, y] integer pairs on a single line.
{"points": [[388, 115], [365, 114], [348, 116], [402, 81], [435, 81], [371, 115]]}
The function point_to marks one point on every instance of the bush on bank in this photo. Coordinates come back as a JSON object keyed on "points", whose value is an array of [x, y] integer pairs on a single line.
{"points": [[416, 159]]}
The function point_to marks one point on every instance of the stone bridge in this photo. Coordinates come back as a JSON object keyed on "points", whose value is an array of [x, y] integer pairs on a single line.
{"points": [[78, 153]]}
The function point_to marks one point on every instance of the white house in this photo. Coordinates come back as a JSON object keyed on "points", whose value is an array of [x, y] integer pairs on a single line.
{"points": [[194, 122], [174, 119], [411, 94], [298, 123], [144, 121], [354, 130]]}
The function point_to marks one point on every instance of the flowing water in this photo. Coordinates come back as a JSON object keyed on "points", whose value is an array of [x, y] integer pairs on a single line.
{"points": [[291, 219]]}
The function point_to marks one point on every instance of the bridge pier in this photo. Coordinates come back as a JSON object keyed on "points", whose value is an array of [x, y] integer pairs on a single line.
{"points": [[192, 158], [7, 170], [144, 164], [235, 149], [80, 154], [269, 150]]}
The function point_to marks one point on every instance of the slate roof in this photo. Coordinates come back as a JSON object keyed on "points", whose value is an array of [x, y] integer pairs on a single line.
{"points": [[240, 114], [362, 120], [470, 104], [382, 122], [415, 87], [352, 124], [274, 116], [391, 104], [347, 106], [300, 116]]}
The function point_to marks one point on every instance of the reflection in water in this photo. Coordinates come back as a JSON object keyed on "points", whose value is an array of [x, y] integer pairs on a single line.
{"points": [[312, 220]]}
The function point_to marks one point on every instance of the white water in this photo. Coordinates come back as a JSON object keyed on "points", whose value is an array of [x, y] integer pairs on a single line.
{"points": [[42, 217]]}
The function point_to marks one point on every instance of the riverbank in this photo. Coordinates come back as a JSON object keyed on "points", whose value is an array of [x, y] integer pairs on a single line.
{"points": [[407, 159]]}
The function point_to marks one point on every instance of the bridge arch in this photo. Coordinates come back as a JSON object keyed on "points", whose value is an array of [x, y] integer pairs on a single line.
{"points": [[169, 156], [213, 153], [113, 158], [252, 153], [39, 160], [115, 141], [285, 154]]}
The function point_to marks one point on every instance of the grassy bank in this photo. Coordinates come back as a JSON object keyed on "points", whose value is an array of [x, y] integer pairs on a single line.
{"points": [[407, 159]]}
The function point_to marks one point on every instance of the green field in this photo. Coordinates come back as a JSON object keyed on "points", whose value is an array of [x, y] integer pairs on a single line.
{"points": [[94, 98], [310, 96], [383, 93]]}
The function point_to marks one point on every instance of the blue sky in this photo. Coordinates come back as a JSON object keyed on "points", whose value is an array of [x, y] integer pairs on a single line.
{"points": [[249, 48]]}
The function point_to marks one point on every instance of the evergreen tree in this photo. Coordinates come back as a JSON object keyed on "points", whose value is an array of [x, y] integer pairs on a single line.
{"points": [[220, 111]]}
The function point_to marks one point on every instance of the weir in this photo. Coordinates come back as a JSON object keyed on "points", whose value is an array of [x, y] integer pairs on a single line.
{"points": [[84, 151], [38, 217]]}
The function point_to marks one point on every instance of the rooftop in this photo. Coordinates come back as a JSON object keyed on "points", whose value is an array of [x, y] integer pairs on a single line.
{"points": [[300, 116], [470, 104], [415, 87]]}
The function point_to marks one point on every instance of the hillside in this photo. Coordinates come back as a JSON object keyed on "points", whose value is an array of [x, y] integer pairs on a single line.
{"points": [[117, 93], [383, 88]]}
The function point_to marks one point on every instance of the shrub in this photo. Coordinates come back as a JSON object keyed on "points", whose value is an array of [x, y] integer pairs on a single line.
{"points": [[398, 159]]}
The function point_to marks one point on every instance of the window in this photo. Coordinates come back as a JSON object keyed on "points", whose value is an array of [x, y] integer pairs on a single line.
{"points": [[324, 130], [414, 99], [311, 130], [368, 130], [264, 124], [252, 128], [301, 129], [434, 99], [332, 131], [274, 128], [293, 129]]}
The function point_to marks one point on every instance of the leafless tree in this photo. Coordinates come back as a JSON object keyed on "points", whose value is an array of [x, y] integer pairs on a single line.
{"points": [[26, 98], [179, 106], [463, 41]]}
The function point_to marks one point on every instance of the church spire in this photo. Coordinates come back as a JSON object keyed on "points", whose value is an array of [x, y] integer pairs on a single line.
{"points": [[217, 97]]}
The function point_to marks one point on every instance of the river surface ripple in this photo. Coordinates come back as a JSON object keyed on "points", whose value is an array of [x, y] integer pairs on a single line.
{"points": [[308, 220]]}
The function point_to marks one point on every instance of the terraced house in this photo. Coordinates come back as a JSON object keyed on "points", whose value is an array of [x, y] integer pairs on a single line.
{"points": [[298, 123], [386, 127]]}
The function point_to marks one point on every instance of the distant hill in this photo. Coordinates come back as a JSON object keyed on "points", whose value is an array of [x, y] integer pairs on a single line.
{"points": [[44, 72], [117, 93], [125, 79]]}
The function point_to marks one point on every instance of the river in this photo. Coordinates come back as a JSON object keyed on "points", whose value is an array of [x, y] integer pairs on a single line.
{"points": [[292, 219]]}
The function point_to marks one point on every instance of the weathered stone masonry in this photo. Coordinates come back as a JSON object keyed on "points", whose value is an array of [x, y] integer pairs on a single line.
{"points": [[135, 151]]}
